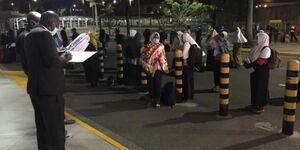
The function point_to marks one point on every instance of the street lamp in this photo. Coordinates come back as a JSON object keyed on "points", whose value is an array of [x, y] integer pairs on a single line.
{"points": [[74, 6], [12, 4], [130, 1]]}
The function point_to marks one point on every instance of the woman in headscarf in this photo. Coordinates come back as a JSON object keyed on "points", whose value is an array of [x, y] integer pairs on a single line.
{"points": [[259, 79], [237, 39], [91, 65], [154, 62], [186, 41], [132, 48], [210, 51], [219, 45]]}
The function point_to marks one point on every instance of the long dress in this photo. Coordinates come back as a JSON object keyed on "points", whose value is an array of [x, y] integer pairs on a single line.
{"points": [[91, 67]]}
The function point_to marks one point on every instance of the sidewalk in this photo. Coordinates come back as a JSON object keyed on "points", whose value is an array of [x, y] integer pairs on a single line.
{"points": [[286, 49], [17, 130]]}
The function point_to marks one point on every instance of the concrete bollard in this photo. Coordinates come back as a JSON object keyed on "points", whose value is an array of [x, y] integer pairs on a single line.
{"points": [[179, 72], [144, 81], [290, 97], [101, 59], [224, 85], [120, 63]]}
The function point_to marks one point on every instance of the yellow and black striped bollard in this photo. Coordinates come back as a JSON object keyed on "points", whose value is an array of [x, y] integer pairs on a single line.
{"points": [[120, 64], [290, 97], [179, 72], [101, 59], [144, 81], [224, 85]]}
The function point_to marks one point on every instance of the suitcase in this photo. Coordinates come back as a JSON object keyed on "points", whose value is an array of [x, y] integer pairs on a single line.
{"points": [[168, 96]]}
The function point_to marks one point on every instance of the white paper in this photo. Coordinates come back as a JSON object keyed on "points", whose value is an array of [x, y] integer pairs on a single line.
{"points": [[79, 57], [80, 43]]}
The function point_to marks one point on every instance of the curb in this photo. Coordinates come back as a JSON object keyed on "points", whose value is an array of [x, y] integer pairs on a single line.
{"points": [[247, 50]]}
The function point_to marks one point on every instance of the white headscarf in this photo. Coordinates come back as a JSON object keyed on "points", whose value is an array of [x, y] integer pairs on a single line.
{"points": [[186, 40], [262, 41], [238, 36], [225, 34], [214, 33], [213, 43], [152, 36], [186, 37], [179, 32], [132, 33], [176, 42]]}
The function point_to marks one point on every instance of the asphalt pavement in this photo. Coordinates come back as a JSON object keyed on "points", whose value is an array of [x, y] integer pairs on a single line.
{"points": [[119, 112], [193, 125]]}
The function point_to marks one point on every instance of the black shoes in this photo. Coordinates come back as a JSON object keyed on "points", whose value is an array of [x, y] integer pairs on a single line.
{"points": [[254, 109], [67, 121]]}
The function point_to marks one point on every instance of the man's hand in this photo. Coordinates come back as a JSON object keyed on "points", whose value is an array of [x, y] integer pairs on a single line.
{"points": [[68, 56]]}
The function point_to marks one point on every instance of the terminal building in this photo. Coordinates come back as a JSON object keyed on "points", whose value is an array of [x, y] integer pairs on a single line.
{"points": [[280, 14]]}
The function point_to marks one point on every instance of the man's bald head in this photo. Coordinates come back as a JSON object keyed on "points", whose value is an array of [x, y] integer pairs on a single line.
{"points": [[50, 20], [33, 18]]}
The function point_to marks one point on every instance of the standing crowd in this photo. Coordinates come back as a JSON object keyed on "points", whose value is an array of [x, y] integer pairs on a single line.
{"points": [[40, 44]]}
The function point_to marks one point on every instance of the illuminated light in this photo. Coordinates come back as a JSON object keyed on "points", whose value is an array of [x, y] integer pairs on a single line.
{"points": [[35, 0], [74, 5], [115, 1], [256, 6], [265, 6], [130, 1], [103, 2], [12, 4]]}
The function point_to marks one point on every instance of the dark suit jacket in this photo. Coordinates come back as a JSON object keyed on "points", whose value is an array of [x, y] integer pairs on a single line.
{"points": [[45, 68], [20, 49]]}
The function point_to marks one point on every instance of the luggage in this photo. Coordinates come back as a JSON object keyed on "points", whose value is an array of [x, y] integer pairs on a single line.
{"points": [[275, 60], [168, 96]]}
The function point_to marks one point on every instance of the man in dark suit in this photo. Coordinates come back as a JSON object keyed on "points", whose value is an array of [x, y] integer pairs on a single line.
{"points": [[33, 19], [64, 36], [46, 83]]}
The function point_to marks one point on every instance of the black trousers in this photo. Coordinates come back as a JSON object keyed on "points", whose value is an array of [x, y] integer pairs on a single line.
{"points": [[293, 36], [209, 59], [132, 74], [188, 82], [259, 81], [216, 67], [154, 84], [49, 120], [91, 68]]}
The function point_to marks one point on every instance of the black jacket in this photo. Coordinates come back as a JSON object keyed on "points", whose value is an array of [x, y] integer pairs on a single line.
{"points": [[20, 49], [45, 67]]}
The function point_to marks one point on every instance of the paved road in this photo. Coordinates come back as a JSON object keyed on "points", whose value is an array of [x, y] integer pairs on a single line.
{"points": [[194, 125]]}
